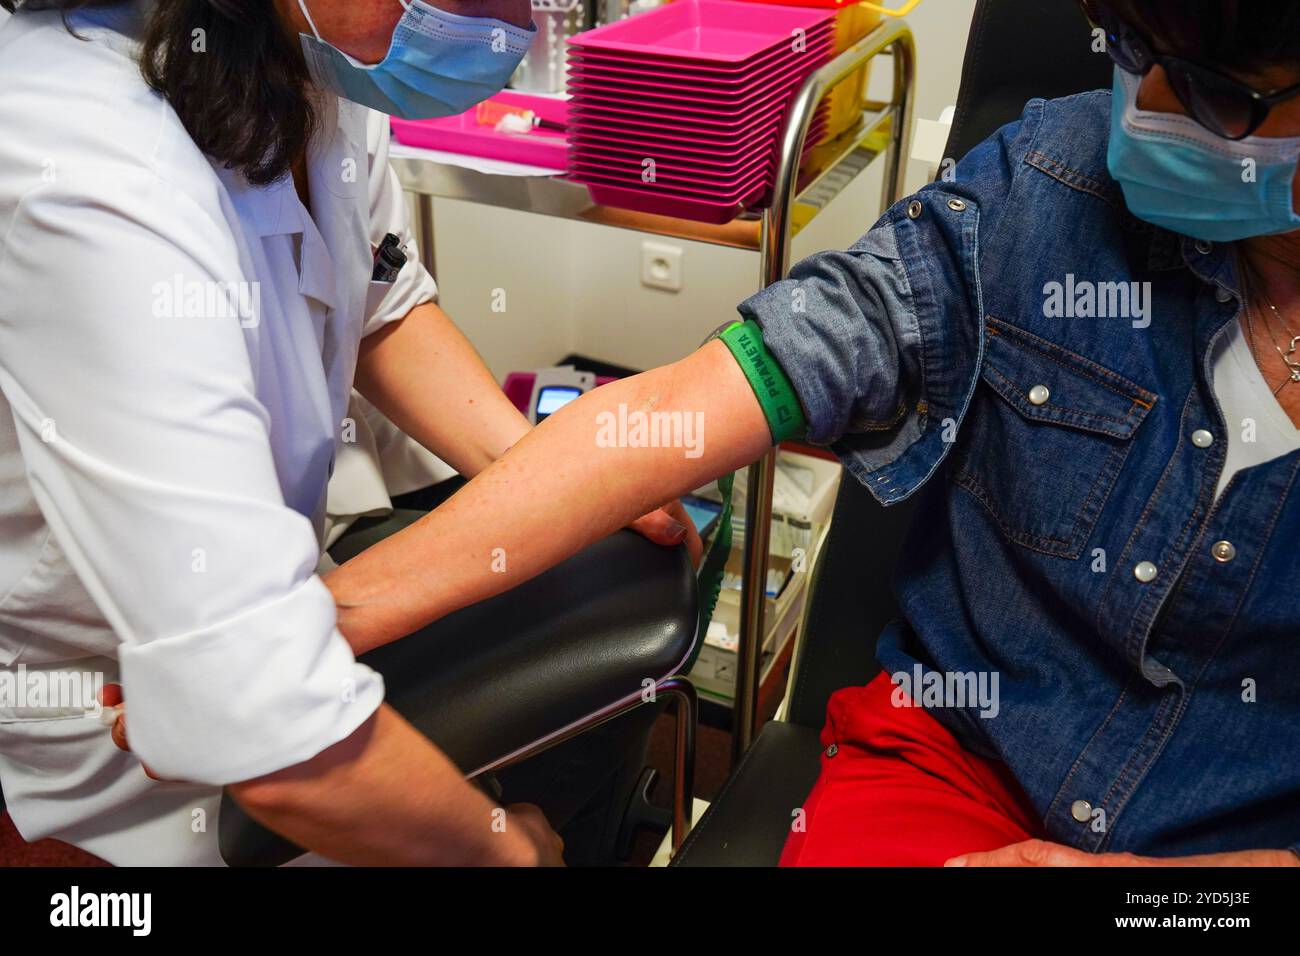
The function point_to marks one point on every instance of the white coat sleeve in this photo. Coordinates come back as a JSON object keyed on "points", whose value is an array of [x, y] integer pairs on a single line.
{"points": [[389, 213], [149, 455]]}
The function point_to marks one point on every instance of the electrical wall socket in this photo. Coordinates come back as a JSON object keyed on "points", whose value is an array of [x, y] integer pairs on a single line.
{"points": [[661, 266]]}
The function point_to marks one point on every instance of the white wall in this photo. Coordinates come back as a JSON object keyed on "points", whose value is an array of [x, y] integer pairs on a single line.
{"points": [[575, 287], [940, 28], [480, 249]]}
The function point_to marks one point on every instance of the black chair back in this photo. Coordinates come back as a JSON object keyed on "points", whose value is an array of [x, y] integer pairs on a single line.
{"points": [[1019, 49]]}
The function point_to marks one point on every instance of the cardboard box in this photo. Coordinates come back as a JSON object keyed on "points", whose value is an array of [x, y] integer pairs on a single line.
{"points": [[714, 673]]}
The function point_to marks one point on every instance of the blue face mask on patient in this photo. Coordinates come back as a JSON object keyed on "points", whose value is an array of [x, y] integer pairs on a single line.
{"points": [[1176, 174], [438, 64]]}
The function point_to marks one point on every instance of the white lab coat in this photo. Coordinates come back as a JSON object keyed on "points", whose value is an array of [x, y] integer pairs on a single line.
{"points": [[381, 462], [177, 349]]}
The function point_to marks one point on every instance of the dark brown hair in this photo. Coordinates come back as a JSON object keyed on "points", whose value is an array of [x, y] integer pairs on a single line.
{"points": [[1243, 36], [243, 99]]}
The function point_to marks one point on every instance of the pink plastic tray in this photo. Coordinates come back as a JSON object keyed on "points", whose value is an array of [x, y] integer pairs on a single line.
{"points": [[679, 207], [765, 145], [713, 183], [702, 92], [754, 107], [667, 166], [645, 138], [645, 144], [815, 40], [639, 139], [463, 133], [754, 186], [740, 191], [757, 98], [654, 67], [584, 118], [671, 162], [688, 113], [688, 110], [787, 77], [712, 31]]}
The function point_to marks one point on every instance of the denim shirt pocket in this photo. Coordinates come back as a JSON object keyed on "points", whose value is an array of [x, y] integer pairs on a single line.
{"points": [[1045, 439]]}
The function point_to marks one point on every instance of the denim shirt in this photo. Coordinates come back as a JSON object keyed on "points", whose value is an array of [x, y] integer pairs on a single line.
{"points": [[1148, 692]]}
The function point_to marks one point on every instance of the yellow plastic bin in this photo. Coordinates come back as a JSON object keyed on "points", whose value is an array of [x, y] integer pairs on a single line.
{"points": [[853, 21]]}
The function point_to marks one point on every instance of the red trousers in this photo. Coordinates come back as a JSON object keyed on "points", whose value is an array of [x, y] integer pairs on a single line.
{"points": [[897, 789]]}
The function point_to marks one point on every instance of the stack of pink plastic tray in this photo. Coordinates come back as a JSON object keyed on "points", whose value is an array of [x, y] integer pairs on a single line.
{"points": [[677, 111]]}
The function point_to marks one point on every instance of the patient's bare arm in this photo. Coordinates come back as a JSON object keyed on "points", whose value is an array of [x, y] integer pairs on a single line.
{"points": [[562, 487], [471, 425]]}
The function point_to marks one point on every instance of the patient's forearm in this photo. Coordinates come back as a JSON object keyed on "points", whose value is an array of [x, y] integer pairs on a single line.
{"points": [[562, 487]]}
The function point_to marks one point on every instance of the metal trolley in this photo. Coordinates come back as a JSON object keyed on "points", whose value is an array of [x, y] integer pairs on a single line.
{"points": [[885, 127]]}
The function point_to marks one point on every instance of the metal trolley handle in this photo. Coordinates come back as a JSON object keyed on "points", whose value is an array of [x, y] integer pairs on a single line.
{"points": [[776, 240]]}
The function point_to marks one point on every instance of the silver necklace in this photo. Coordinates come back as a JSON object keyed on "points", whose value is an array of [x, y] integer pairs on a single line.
{"points": [[1289, 356]]}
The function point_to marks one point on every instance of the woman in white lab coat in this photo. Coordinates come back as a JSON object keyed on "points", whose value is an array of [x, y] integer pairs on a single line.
{"points": [[188, 217]]}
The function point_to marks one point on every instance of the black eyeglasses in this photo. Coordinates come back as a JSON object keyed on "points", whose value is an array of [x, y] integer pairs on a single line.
{"points": [[1225, 106]]}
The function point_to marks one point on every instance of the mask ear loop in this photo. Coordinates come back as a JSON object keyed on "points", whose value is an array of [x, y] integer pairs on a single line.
{"points": [[310, 22]]}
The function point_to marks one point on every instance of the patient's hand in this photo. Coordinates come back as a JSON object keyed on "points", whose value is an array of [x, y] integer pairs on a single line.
{"points": [[671, 525], [1043, 853]]}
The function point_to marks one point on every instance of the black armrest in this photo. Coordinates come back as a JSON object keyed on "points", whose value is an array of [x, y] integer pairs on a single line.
{"points": [[491, 679], [749, 822]]}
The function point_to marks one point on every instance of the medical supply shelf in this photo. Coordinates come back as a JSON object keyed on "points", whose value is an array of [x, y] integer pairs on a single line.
{"points": [[715, 669], [885, 128]]}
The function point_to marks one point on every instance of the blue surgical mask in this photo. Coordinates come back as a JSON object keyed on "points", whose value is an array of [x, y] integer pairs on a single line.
{"points": [[1178, 175], [438, 64]]}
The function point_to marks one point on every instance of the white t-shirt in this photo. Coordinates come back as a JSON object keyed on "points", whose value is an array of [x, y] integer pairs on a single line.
{"points": [[1249, 407]]}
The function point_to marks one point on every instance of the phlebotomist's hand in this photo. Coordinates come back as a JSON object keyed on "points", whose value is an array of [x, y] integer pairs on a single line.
{"points": [[111, 697], [671, 525], [528, 818]]}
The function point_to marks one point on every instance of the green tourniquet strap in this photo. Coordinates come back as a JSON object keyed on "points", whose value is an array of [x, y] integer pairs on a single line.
{"points": [[785, 419], [775, 393], [709, 577]]}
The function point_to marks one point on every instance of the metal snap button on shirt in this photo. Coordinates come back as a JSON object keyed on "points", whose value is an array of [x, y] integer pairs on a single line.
{"points": [[1204, 247], [1202, 438], [832, 750], [1222, 294], [1145, 571], [956, 205], [1039, 394], [914, 209], [1223, 551], [1081, 810]]}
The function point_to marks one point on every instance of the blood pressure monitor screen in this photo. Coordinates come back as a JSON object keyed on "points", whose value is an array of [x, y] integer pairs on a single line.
{"points": [[554, 397]]}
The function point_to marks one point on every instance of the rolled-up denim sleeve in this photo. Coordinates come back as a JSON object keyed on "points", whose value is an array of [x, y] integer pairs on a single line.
{"points": [[839, 327], [882, 342]]}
